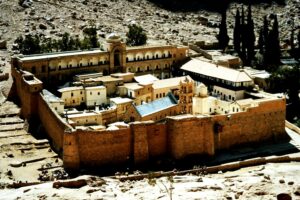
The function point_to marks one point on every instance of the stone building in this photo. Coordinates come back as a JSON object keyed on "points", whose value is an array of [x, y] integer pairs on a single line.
{"points": [[225, 83], [210, 105], [122, 105], [77, 95], [116, 57], [55, 102], [155, 110]]}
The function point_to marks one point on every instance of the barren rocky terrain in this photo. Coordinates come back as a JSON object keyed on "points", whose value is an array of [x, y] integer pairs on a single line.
{"points": [[260, 182], [52, 18]]}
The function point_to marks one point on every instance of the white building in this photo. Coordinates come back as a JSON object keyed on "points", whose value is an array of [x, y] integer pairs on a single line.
{"points": [[224, 83], [72, 96], [90, 96], [95, 96], [56, 103], [207, 105]]}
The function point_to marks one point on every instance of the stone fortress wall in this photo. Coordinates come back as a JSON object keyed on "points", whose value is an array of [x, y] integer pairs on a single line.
{"points": [[176, 137]]}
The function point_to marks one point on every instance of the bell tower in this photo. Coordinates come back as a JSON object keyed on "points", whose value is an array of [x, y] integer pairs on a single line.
{"points": [[186, 95]]}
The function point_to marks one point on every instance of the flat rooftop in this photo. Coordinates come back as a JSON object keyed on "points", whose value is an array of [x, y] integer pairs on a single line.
{"points": [[59, 54], [120, 100], [66, 89], [170, 82], [215, 71], [133, 86], [49, 97], [105, 79], [146, 79]]}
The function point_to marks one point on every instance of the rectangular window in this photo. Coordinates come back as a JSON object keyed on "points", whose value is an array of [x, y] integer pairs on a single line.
{"points": [[43, 68]]}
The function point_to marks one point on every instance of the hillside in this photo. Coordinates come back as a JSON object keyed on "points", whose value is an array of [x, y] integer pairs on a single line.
{"points": [[51, 18]]}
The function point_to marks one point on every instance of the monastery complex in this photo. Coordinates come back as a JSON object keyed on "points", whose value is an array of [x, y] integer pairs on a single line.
{"points": [[131, 105]]}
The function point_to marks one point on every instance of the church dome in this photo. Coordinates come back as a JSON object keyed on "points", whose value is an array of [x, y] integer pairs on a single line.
{"points": [[113, 37]]}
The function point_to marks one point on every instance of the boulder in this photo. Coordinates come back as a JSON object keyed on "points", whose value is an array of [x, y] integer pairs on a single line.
{"points": [[26, 4], [42, 26], [284, 196], [70, 184], [3, 44]]}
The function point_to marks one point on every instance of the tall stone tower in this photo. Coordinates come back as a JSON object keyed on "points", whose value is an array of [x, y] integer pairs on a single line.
{"points": [[117, 53], [200, 100], [186, 96]]}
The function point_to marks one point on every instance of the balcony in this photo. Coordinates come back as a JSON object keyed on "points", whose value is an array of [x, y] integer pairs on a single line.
{"points": [[148, 59]]}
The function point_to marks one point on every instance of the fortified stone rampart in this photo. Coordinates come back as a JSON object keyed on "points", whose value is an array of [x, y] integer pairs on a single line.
{"points": [[52, 123], [258, 124], [177, 137], [27, 89]]}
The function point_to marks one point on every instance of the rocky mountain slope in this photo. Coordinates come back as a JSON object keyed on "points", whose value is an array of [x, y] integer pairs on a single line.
{"points": [[51, 18]]}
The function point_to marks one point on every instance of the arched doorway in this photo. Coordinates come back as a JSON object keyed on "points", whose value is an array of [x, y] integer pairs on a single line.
{"points": [[117, 58]]}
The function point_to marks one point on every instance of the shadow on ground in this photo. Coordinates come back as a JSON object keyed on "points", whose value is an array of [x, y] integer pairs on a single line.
{"points": [[209, 5]]}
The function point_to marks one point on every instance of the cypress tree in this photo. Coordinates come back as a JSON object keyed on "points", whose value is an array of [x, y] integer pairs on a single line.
{"points": [[272, 50], [250, 40], [243, 36], [298, 50], [264, 39], [276, 42], [265, 29], [237, 32], [64, 42], [292, 40], [261, 42], [223, 37]]}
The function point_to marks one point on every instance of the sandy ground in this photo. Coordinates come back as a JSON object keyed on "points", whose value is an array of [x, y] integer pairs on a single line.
{"points": [[260, 182], [23, 157]]}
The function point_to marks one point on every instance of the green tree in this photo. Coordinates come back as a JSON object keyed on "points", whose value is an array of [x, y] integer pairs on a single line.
{"points": [[223, 37], [29, 45], [237, 32], [243, 36], [91, 34], [250, 42], [272, 49], [261, 43], [298, 37], [64, 42], [85, 44], [20, 43], [55, 45], [71, 45], [77, 43], [136, 35]]}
